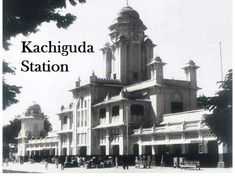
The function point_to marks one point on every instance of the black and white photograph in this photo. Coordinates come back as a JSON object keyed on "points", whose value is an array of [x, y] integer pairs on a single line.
{"points": [[117, 86]]}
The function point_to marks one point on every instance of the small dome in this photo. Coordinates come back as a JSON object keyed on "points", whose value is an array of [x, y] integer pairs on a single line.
{"points": [[128, 12], [158, 59], [191, 62], [34, 105], [34, 108]]}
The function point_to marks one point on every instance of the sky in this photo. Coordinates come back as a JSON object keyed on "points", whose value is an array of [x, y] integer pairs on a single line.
{"points": [[183, 30]]}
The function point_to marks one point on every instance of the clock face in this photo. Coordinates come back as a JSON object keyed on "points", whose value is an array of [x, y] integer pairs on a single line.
{"points": [[135, 37]]}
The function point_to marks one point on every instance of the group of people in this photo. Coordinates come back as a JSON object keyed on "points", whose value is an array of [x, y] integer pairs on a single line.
{"points": [[143, 161], [124, 161]]}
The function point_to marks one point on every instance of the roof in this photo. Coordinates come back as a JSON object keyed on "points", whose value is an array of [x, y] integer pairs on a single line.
{"points": [[109, 125], [187, 116], [128, 12], [111, 100], [65, 111]]}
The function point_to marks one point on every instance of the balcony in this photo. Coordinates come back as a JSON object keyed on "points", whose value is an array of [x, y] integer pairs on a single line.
{"points": [[103, 121], [115, 119]]}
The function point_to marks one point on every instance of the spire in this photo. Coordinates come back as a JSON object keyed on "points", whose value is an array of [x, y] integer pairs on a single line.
{"points": [[127, 3]]}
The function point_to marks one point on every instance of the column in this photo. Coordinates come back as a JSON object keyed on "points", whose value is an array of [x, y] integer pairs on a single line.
{"points": [[153, 155], [68, 144], [74, 127], [121, 144], [140, 149], [56, 150], [220, 163], [59, 147], [205, 147], [107, 140]]}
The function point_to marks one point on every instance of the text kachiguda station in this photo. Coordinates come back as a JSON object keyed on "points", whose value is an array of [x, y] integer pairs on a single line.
{"points": [[54, 48]]}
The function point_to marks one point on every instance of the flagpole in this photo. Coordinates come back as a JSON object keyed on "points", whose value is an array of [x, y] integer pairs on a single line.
{"points": [[221, 63]]}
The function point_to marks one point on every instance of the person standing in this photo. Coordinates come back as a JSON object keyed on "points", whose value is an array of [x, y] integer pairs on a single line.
{"points": [[116, 162], [162, 161]]}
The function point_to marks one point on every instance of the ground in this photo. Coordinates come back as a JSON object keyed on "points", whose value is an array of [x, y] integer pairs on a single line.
{"points": [[40, 168]]}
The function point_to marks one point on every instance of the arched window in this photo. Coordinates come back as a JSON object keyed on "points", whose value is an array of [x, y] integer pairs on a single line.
{"points": [[176, 102], [78, 104], [137, 110], [82, 99], [115, 111]]}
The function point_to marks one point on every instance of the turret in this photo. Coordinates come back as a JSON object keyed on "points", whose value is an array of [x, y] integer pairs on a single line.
{"points": [[156, 69], [191, 73]]}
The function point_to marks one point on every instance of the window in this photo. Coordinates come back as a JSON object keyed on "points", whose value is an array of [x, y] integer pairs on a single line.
{"points": [[176, 102], [65, 118], [82, 99], [115, 111], [78, 105], [78, 118], [102, 113], [176, 107], [82, 119]]}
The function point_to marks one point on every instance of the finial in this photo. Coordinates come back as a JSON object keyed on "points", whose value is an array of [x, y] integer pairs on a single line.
{"points": [[127, 2], [78, 82]]}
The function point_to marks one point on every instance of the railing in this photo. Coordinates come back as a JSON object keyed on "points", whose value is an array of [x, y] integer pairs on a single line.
{"points": [[115, 119], [103, 121]]}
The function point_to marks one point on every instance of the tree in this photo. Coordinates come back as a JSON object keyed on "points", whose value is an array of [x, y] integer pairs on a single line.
{"points": [[9, 91], [47, 125], [220, 119], [24, 16], [202, 101], [10, 132]]}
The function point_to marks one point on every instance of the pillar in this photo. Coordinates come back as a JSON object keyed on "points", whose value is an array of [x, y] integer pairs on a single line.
{"points": [[59, 147], [68, 144], [107, 140], [140, 146], [140, 149], [220, 163], [153, 155], [121, 144], [205, 147], [56, 150]]}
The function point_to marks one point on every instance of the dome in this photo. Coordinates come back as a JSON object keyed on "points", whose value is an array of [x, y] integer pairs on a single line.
{"points": [[34, 108], [191, 62], [34, 105], [128, 12]]}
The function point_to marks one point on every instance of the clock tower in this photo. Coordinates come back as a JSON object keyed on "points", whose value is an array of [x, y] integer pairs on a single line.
{"points": [[129, 52]]}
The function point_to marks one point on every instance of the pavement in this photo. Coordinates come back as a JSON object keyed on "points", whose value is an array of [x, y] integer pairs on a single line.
{"points": [[40, 168]]}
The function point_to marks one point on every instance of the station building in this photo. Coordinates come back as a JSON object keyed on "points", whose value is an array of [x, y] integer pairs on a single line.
{"points": [[134, 110]]}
